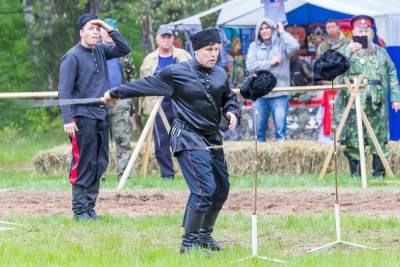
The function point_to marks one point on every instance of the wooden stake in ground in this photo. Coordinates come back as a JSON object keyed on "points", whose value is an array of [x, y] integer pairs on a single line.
{"points": [[361, 145], [148, 146], [146, 153], [140, 144]]}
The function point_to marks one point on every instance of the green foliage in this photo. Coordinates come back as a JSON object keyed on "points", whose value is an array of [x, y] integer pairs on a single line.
{"points": [[15, 68], [33, 43], [19, 146], [11, 132], [42, 120]]}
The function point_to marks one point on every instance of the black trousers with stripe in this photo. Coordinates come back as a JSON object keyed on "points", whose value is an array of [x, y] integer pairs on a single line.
{"points": [[206, 174], [89, 160]]}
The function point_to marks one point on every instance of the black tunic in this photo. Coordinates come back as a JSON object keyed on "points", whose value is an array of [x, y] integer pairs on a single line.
{"points": [[197, 116]]}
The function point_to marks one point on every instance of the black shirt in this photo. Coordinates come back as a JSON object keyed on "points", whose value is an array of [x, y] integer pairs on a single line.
{"points": [[84, 74]]}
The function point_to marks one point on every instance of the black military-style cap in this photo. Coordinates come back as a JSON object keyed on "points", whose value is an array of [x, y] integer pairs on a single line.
{"points": [[329, 65], [362, 21], [205, 37], [85, 18]]}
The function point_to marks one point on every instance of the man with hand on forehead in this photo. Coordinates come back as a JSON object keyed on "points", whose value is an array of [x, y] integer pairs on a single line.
{"points": [[200, 96], [84, 74], [375, 65]]}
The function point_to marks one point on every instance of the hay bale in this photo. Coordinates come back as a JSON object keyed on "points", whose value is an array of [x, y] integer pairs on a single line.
{"points": [[56, 161], [284, 158]]}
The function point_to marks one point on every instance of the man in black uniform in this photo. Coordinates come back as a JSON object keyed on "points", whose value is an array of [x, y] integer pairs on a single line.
{"points": [[84, 74], [200, 95]]}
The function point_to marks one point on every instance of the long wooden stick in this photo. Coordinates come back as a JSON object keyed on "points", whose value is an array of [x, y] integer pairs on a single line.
{"points": [[54, 94], [361, 145], [146, 153], [164, 119], [376, 144], [139, 144], [309, 88], [13, 95]]}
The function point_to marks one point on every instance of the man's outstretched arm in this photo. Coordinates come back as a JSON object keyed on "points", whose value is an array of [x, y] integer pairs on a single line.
{"points": [[157, 85]]}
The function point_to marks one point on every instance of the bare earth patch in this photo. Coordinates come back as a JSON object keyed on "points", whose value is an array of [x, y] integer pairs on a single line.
{"points": [[145, 202]]}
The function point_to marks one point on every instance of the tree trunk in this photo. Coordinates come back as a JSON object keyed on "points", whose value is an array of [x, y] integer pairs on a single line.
{"points": [[147, 28], [95, 6], [29, 20]]}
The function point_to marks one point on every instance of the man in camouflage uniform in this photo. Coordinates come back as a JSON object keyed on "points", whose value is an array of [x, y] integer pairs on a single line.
{"points": [[375, 65], [120, 70], [335, 39]]}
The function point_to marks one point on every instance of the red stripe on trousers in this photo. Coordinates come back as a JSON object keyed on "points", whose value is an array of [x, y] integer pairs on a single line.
{"points": [[76, 155]]}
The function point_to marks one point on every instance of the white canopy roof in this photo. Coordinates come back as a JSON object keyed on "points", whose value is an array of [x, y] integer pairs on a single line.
{"points": [[240, 13], [388, 27]]}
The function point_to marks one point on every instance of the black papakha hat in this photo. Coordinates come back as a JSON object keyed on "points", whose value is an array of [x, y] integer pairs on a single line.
{"points": [[85, 18], [330, 65], [205, 37], [259, 86]]}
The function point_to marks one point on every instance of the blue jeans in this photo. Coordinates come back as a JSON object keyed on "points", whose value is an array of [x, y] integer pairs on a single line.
{"points": [[278, 106]]}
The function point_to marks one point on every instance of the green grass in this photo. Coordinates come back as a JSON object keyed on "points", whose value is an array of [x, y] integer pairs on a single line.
{"points": [[26, 179], [154, 241], [17, 150]]}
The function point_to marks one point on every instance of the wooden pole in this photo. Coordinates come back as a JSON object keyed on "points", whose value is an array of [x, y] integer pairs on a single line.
{"points": [[361, 145], [376, 144], [13, 95], [139, 144], [54, 94], [147, 146], [164, 119], [146, 153], [310, 88]]}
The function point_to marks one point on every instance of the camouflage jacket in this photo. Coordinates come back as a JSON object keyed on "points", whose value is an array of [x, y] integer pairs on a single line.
{"points": [[379, 73], [343, 42], [128, 74], [149, 67]]}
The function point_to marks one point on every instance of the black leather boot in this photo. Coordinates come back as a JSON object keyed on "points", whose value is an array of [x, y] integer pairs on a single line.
{"points": [[193, 221], [377, 167], [206, 229], [354, 164], [91, 197], [79, 205]]}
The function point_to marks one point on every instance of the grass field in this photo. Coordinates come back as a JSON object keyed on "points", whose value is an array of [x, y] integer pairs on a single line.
{"points": [[154, 240]]}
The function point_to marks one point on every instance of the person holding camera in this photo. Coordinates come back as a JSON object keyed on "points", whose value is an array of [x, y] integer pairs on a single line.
{"points": [[271, 51], [375, 65]]}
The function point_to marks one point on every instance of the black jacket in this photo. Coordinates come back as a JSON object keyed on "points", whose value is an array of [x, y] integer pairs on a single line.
{"points": [[197, 116]]}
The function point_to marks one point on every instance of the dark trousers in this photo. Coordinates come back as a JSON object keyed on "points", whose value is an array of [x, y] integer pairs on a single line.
{"points": [[206, 175], [161, 140], [89, 161]]}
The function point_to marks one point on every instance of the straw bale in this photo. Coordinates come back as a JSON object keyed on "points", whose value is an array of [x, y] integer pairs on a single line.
{"points": [[283, 158]]}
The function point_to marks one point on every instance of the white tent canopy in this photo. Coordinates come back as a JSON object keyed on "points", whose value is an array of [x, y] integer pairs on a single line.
{"points": [[239, 13], [387, 25]]}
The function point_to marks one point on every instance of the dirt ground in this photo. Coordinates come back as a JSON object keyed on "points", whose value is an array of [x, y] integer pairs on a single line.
{"points": [[145, 202]]}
